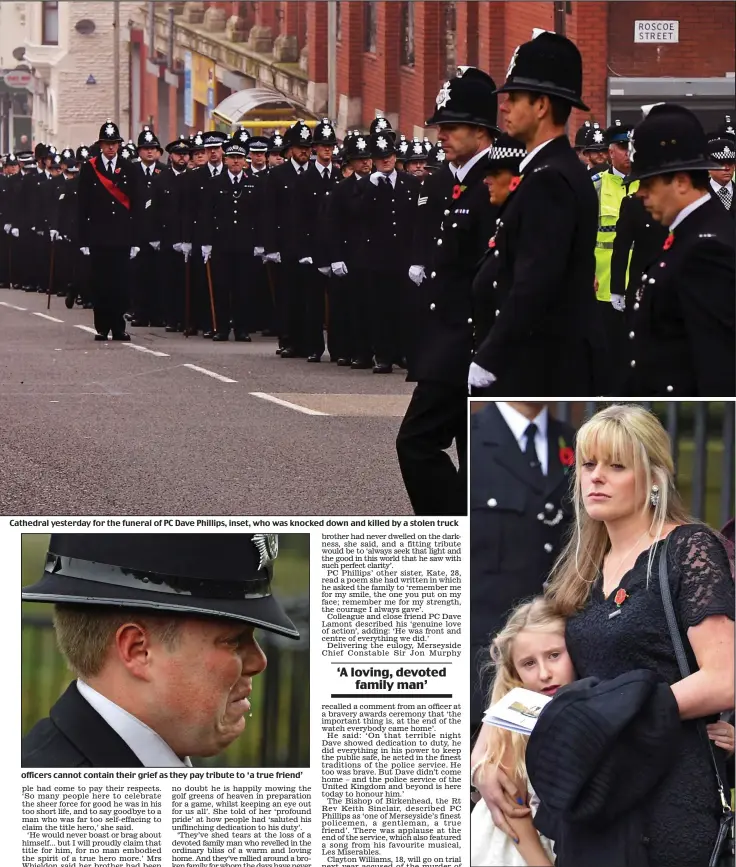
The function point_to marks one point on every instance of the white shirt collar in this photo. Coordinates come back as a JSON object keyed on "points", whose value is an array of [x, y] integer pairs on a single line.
{"points": [[234, 177], [462, 171], [530, 156], [297, 167], [322, 169], [107, 163], [518, 424], [256, 171], [215, 170], [716, 186], [616, 172], [151, 748], [392, 177], [685, 212]]}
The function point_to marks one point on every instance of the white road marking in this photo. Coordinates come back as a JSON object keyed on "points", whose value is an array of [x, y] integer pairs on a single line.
{"points": [[209, 373], [12, 306], [286, 403], [46, 316], [86, 328], [149, 351]]}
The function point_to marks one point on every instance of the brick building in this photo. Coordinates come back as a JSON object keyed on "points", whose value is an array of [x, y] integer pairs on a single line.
{"points": [[391, 57]]}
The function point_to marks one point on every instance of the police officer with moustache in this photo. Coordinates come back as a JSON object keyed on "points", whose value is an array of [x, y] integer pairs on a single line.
{"points": [[520, 510], [389, 204], [231, 214], [147, 285], [168, 203], [547, 333], [683, 318], [107, 232], [437, 414]]}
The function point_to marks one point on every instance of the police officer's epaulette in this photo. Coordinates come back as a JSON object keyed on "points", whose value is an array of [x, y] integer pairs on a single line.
{"points": [[596, 177]]}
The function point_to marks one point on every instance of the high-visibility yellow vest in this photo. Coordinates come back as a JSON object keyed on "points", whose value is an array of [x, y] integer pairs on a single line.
{"points": [[611, 192]]}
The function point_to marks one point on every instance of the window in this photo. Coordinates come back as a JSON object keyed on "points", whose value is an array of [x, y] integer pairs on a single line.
{"points": [[50, 22], [369, 27], [407, 34]]}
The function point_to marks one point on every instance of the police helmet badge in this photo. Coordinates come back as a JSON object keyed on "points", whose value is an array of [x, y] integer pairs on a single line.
{"points": [[382, 143], [512, 63], [443, 97], [360, 144], [267, 545], [382, 124], [632, 149], [598, 136], [109, 129], [304, 132]]}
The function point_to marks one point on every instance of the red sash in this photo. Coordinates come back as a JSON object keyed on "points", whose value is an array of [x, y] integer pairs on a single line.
{"points": [[114, 191]]}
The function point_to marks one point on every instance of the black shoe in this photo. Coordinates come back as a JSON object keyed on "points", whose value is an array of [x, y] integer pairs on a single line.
{"points": [[242, 337], [279, 351], [28, 289], [88, 305], [123, 336], [99, 336], [140, 323], [69, 300], [221, 336], [383, 368], [314, 359], [191, 332], [288, 353], [171, 329], [359, 364], [343, 362], [60, 293]]}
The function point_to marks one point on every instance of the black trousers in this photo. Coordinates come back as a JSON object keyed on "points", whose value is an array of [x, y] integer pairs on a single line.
{"points": [[435, 417], [338, 319], [109, 267], [387, 290], [146, 286], [304, 307], [173, 278], [360, 313], [232, 276]]}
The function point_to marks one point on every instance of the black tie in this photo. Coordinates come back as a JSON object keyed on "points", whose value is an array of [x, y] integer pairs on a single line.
{"points": [[325, 177], [110, 169], [530, 450], [150, 171], [301, 169]]}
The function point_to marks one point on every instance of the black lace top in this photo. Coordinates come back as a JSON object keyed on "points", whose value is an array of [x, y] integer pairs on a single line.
{"points": [[682, 813]]}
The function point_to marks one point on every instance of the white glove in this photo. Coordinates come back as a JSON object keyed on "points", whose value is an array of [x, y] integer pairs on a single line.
{"points": [[307, 260], [618, 302], [53, 234], [206, 252], [479, 378], [40, 233], [326, 270], [258, 251], [339, 269], [186, 248], [15, 233], [416, 274], [7, 227], [178, 247], [84, 251], [134, 251], [376, 177], [272, 257], [155, 244]]}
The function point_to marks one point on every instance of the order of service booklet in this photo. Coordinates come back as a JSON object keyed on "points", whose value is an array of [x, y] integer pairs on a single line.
{"points": [[517, 711]]}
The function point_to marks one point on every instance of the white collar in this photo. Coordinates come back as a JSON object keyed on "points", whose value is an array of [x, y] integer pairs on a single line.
{"points": [[146, 168], [322, 169], [716, 186], [107, 163], [233, 177], [530, 156], [685, 212], [215, 170], [297, 166], [615, 171], [150, 747], [462, 171], [392, 177], [518, 424], [256, 171]]}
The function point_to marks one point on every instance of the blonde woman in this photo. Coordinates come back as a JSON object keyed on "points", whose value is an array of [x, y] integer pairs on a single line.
{"points": [[605, 583], [530, 652]]}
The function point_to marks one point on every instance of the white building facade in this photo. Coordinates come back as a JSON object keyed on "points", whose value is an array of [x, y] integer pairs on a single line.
{"points": [[15, 102]]}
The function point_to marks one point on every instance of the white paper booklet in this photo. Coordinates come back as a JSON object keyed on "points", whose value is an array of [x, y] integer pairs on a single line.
{"points": [[517, 711]]}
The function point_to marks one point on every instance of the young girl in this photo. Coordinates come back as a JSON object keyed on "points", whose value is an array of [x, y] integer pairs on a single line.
{"points": [[529, 651]]}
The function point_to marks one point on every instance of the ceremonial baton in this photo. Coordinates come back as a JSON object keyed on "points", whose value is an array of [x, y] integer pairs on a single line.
{"points": [[187, 295], [51, 277], [212, 294]]}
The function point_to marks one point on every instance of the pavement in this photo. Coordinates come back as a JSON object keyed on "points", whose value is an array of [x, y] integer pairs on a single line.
{"points": [[168, 425]]}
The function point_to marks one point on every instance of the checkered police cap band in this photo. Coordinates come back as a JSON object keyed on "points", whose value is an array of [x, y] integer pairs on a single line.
{"points": [[505, 153], [728, 153]]}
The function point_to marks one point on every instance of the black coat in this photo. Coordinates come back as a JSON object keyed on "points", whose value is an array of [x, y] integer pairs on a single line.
{"points": [[66, 214], [74, 735], [145, 216], [389, 216], [547, 331], [231, 216], [168, 203], [11, 187], [683, 316], [287, 215], [512, 549], [103, 220], [434, 198], [598, 749], [346, 225], [445, 326], [194, 203], [316, 195]]}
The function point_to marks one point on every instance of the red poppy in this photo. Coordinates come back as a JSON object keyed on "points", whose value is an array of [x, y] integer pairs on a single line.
{"points": [[567, 456], [620, 597], [457, 191], [515, 181], [117, 171], [157, 171], [492, 242], [669, 241]]}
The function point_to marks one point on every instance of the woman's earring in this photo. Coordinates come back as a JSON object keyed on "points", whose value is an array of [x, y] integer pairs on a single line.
{"points": [[654, 496]]}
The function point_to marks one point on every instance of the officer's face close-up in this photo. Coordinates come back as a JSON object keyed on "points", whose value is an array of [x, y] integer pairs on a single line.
{"points": [[619, 155], [275, 159], [498, 185], [258, 160], [180, 161], [362, 166], [148, 155], [215, 156], [723, 175], [201, 685], [610, 490], [235, 163], [301, 153], [416, 168], [460, 141], [324, 154], [597, 158], [385, 164], [664, 200], [109, 148], [200, 158]]}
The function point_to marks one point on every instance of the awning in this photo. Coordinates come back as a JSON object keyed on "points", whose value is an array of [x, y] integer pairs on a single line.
{"points": [[237, 106]]}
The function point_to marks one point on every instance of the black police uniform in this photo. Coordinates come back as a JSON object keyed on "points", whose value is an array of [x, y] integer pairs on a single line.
{"points": [[168, 205], [518, 521]]}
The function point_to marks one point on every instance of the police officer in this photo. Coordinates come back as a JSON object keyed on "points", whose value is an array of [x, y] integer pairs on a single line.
{"points": [[415, 158], [168, 203], [595, 150], [275, 150], [159, 632], [580, 140], [10, 187], [546, 334], [682, 334], [437, 414], [107, 190], [65, 237], [723, 151], [520, 458]]}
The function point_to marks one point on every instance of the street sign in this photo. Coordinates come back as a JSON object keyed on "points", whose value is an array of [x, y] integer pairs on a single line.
{"points": [[656, 31], [18, 78]]}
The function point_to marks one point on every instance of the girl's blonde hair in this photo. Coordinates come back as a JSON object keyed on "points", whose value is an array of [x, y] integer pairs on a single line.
{"points": [[504, 747], [630, 435]]}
